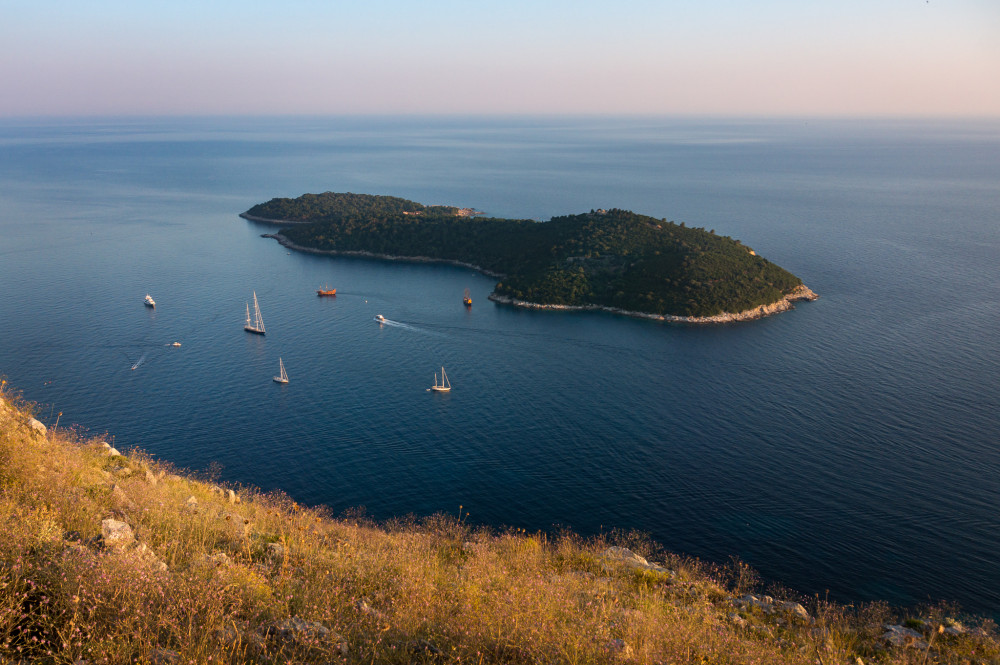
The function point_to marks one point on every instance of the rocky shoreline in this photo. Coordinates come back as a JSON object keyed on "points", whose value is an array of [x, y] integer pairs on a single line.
{"points": [[802, 292]]}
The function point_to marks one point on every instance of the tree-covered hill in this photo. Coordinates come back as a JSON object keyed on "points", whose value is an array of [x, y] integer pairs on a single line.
{"points": [[613, 258]]}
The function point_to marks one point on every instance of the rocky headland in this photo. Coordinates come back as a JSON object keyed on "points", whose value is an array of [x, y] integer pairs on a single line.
{"points": [[108, 556]]}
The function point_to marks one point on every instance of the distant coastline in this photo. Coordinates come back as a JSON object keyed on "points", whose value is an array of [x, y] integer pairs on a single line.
{"points": [[802, 292]]}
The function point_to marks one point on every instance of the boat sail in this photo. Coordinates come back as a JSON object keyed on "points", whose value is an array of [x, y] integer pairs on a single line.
{"points": [[256, 325], [283, 377], [444, 386]]}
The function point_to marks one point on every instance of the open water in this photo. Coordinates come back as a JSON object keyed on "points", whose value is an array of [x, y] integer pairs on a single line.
{"points": [[850, 445]]}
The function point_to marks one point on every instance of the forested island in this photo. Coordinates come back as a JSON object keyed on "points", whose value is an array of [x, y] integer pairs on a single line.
{"points": [[613, 259]]}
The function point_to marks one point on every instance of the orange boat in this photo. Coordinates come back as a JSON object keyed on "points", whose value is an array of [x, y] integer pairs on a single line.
{"points": [[326, 292]]}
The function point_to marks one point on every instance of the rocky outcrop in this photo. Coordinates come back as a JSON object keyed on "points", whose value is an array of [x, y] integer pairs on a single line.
{"points": [[37, 427], [116, 534], [769, 605], [900, 636], [630, 559]]}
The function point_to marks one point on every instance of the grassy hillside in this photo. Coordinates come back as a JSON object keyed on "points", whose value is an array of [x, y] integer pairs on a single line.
{"points": [[611, 258], [110, 558]]}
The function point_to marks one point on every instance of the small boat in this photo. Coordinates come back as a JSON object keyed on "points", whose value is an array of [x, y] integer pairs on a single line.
{"points": [[380, 318], [176, 344], [283, 377], [257, 324], [467, 299], [149, 301], [326, 292], [444, 386]]}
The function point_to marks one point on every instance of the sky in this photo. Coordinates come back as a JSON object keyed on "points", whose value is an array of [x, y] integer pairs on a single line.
{"points": [[717, 57]]}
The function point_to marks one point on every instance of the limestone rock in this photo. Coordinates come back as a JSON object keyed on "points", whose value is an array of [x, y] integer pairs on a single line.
{"points": [[111, 452], [207, 564], [37, 427], [147, 556], [121, 499], [122, 471], [953, 627], [796, 610], [764, 603], [233, 499], [632, 560], [191, 504], [901, 636], [116, 534]]}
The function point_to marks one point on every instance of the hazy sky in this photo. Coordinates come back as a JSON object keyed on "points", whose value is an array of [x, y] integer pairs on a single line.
{"points": [[913, 57]]}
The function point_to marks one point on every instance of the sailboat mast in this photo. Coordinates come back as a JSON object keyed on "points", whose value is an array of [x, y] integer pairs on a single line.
{"points": [[258, 319]]}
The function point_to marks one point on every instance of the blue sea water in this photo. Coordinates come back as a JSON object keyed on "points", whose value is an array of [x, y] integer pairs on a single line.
{"points": [[850, 445]]}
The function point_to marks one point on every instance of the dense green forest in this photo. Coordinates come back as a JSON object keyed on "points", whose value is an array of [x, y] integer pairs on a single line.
{"points": [[614, 258]]}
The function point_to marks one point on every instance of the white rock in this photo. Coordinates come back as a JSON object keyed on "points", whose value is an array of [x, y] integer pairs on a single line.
{"points": [[116, 534], [901, 636], [37, 427], [631, 559], [796, 610]]}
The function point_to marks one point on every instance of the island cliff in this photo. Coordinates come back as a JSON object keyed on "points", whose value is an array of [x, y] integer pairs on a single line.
{"points": [[614, 260]]}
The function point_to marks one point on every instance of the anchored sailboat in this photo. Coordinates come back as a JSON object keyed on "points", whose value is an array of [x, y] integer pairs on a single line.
{"points": [[444, 386], [283, 377], [257, 324]]}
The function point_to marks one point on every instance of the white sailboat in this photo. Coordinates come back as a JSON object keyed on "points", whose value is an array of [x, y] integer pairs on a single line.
{"points": [[257, 324], [283, 377], [149, 301], [444, 386]]}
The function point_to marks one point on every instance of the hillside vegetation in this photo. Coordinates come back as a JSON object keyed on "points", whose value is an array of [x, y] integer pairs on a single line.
{"points": [[611, 258], [112, 558]]}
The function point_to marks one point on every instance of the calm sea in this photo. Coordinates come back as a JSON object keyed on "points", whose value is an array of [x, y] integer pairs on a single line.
{"points": [[850, 445]]}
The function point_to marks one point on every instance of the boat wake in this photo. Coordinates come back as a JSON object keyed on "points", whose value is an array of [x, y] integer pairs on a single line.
{"points": [[407, 326], [139, 361]]}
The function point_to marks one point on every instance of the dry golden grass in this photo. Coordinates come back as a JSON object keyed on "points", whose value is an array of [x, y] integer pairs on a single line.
{"points": [[263, 580]]}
